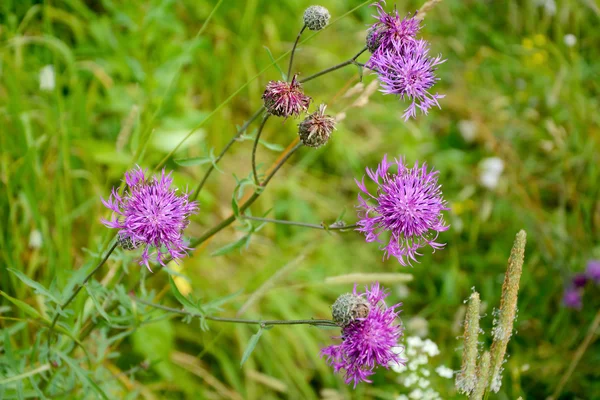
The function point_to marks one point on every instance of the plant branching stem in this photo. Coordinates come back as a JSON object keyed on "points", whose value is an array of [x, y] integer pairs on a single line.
{"points": [[335, 67], [289, 72], [226, 222], [332, 227], [80, 286], [225, 149], [255, 146], [262, 323]]}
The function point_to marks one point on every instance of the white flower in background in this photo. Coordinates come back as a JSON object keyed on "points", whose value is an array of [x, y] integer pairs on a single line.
{"points": [[415, 376], [35, 239], [444, 372], [47, 78], [468, 130], [548, 5], [570, 39], [490, 170]]}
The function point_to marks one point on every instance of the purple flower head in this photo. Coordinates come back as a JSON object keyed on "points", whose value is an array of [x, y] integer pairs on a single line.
{"points": [[408, 205], [409, 75], [390, 32], [593, 270], [572, 298], [151, 214], [579, 280], [367, 342], [285, 99]]}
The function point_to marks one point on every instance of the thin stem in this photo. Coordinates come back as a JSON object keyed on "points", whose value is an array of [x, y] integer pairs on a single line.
{"points": [[578, 354], [80, 286], [225, 223], [225, 149], [262, 323], [255, 145], [335, 67], [289, 72], [332, 227]]}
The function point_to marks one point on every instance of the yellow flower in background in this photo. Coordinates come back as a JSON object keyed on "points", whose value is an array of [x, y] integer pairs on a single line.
{"points": [[182, 283], [527, 43], [539, 57], [539, 40]]}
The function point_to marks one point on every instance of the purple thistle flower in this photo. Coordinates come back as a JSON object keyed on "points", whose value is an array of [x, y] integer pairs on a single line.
{"points": [[152, 214], [579, 280], [408, 204], [285, 99], [367, 342], [409, 75], [390, 32], [593, 270], [572, 298]]}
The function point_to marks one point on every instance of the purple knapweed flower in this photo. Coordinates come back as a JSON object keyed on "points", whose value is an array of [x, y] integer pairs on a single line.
{"points": [[285, 99], [390, 32], [409, 75], [593, 270], [579, 280], [152, 214], [408, 204], [572, 298], [367, 342]]}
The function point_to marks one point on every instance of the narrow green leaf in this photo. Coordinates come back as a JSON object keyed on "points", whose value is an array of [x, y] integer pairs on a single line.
{"points": [[81, 373], [360, 72], [97, 304], [181, 298], [26, 308], [283, 74], [230, 247], [35, 285], [190, 162], [234, 206], [251, 345], [271, 146]]}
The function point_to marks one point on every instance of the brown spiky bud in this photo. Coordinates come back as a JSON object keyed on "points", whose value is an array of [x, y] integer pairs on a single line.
{"points": [[316, 128]]}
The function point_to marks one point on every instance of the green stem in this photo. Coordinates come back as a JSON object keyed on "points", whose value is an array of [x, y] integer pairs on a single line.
{"points": [[332, 227], [262, 323], [225, 223], [225, 149], [335, 67], [80, 286], [255, 145], [289, 72]]}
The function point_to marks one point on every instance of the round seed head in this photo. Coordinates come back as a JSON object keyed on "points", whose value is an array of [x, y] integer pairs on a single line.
{"points": [[348, 307], [316, 17], [316, 128]]}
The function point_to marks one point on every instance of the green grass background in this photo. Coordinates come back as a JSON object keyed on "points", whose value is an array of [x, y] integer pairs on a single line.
{"points": [[132, 79]]}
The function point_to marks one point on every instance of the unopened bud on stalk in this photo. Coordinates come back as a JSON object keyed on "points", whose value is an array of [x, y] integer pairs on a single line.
{"points": [[348, 307], [316, 128], [316, 18], [128, 243]]}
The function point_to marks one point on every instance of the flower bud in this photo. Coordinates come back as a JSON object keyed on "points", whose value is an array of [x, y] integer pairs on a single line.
{"points": [[316, 128], [316, 17], [128, 243], [285, 99], [348, 307], [373, 40]]}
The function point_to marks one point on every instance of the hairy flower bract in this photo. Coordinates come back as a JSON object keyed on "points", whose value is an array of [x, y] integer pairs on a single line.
{"points": [[285, 99], [408, 204], [152, 214], [367, 342]]}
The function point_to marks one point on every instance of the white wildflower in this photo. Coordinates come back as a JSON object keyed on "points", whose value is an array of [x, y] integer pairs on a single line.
{"points": [[47, 78], [35, 239], [570, 39], [444, 372], [468, 130], [490, 171]]}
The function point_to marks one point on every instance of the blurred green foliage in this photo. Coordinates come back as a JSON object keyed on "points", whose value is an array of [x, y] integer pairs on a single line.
{"points": [[132, 78]]}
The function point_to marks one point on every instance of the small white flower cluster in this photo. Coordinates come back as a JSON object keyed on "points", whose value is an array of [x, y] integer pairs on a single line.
{"points": [[417, 372]]}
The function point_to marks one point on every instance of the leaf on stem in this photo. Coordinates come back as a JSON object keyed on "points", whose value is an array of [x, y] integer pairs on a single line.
{"points": [[251, 345]]}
